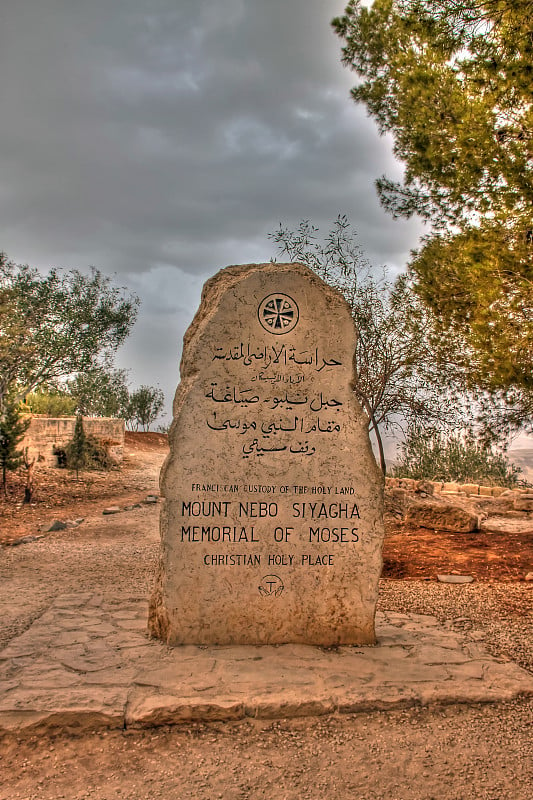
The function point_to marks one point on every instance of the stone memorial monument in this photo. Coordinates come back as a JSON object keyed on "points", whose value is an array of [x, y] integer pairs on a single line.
{"points": [[272, 520]]}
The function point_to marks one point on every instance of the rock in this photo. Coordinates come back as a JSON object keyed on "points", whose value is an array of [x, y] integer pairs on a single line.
{"points": [[496, 506], [441, 515], [523, 503], [395, 501], [506, 524], [272, 518], [455, 578], [407, 483], [424, 488], [151, 498], [112, 510], [24, 540], [450, 486], [470, 488], [529, 576], [56, 525]]}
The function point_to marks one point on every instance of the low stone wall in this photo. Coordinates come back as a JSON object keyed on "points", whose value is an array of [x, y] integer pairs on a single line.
{"points": [[459, 507], [47, 433], [468, 489]]}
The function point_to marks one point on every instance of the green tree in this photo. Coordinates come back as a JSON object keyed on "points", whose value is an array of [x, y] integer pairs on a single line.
{"points": [[12, 429], [430, 454], [143, 408], [451, 81], [100, 392], [407, 372], [58, 324], [51, 402], [77, 450]]}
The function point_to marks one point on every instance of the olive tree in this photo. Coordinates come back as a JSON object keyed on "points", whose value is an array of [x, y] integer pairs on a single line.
{"points": [[407, 373], [58, 324]]}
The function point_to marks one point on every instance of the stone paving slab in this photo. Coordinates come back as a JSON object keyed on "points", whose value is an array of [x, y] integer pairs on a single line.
{"points": [[87, 663]]}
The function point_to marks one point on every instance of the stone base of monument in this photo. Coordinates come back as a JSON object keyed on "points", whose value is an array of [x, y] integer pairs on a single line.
{"points": [[87, 664]]}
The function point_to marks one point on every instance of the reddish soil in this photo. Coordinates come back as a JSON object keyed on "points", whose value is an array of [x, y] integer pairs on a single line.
{"points": [[418, 553], [136, 441], [59, 494], [409, 553]]}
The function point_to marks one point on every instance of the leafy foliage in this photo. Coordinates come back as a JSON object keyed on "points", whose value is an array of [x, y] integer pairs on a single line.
{"points": [[451, 81], [502, 413], [55, 325], [50, 402], [85, 452], [143, 407], [406, 371], [98, 455], [100, 392], [12, 429], [430, 454], [77, 451]]}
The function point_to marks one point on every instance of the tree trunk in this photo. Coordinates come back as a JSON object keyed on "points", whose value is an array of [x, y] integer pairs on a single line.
{"points": [[28, 489], [382, 463], [374, 427]]}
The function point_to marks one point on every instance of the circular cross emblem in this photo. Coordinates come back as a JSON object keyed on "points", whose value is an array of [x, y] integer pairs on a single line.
{"points": [[278, 313], [271, 585]]}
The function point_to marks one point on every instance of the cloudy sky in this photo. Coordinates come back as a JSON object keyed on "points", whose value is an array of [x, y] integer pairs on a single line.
{"points": [[160, 140]]}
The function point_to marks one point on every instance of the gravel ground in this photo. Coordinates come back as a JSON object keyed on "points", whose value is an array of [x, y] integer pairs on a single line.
{"points": [[115, 555], [456, 753], [449, 754], [498, 614]]}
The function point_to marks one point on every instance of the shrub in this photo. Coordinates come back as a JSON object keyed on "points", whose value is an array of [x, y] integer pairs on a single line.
{"points": [[50, 402], [84, 452], [432, 455], [98, 454], [76, 450], [13, 426]]}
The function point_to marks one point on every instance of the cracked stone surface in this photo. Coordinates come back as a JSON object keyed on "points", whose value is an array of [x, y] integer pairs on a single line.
{"points": [[87, 663]]}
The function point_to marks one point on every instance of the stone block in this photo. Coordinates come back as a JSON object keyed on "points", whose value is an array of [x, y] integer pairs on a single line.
{"points": [[470, 489], [450, 486], [271, 519], [523, 503], [441, 516]]}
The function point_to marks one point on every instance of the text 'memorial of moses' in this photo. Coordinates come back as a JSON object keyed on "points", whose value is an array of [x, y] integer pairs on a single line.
{"points": [[272, 518]]}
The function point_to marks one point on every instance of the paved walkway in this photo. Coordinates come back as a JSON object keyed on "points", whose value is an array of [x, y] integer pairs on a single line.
{"points": [[87, 664]]}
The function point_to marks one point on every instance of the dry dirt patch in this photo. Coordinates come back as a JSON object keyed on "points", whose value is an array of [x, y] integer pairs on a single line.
{"points": [[418, 553], [448, 754], [59, 494]]}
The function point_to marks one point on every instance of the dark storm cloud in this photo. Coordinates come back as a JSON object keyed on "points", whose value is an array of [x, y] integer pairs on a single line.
{"points": [[162, 140]]}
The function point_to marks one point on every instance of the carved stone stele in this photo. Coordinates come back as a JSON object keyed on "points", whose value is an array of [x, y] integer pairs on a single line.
{"points": [[272, 518]]}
